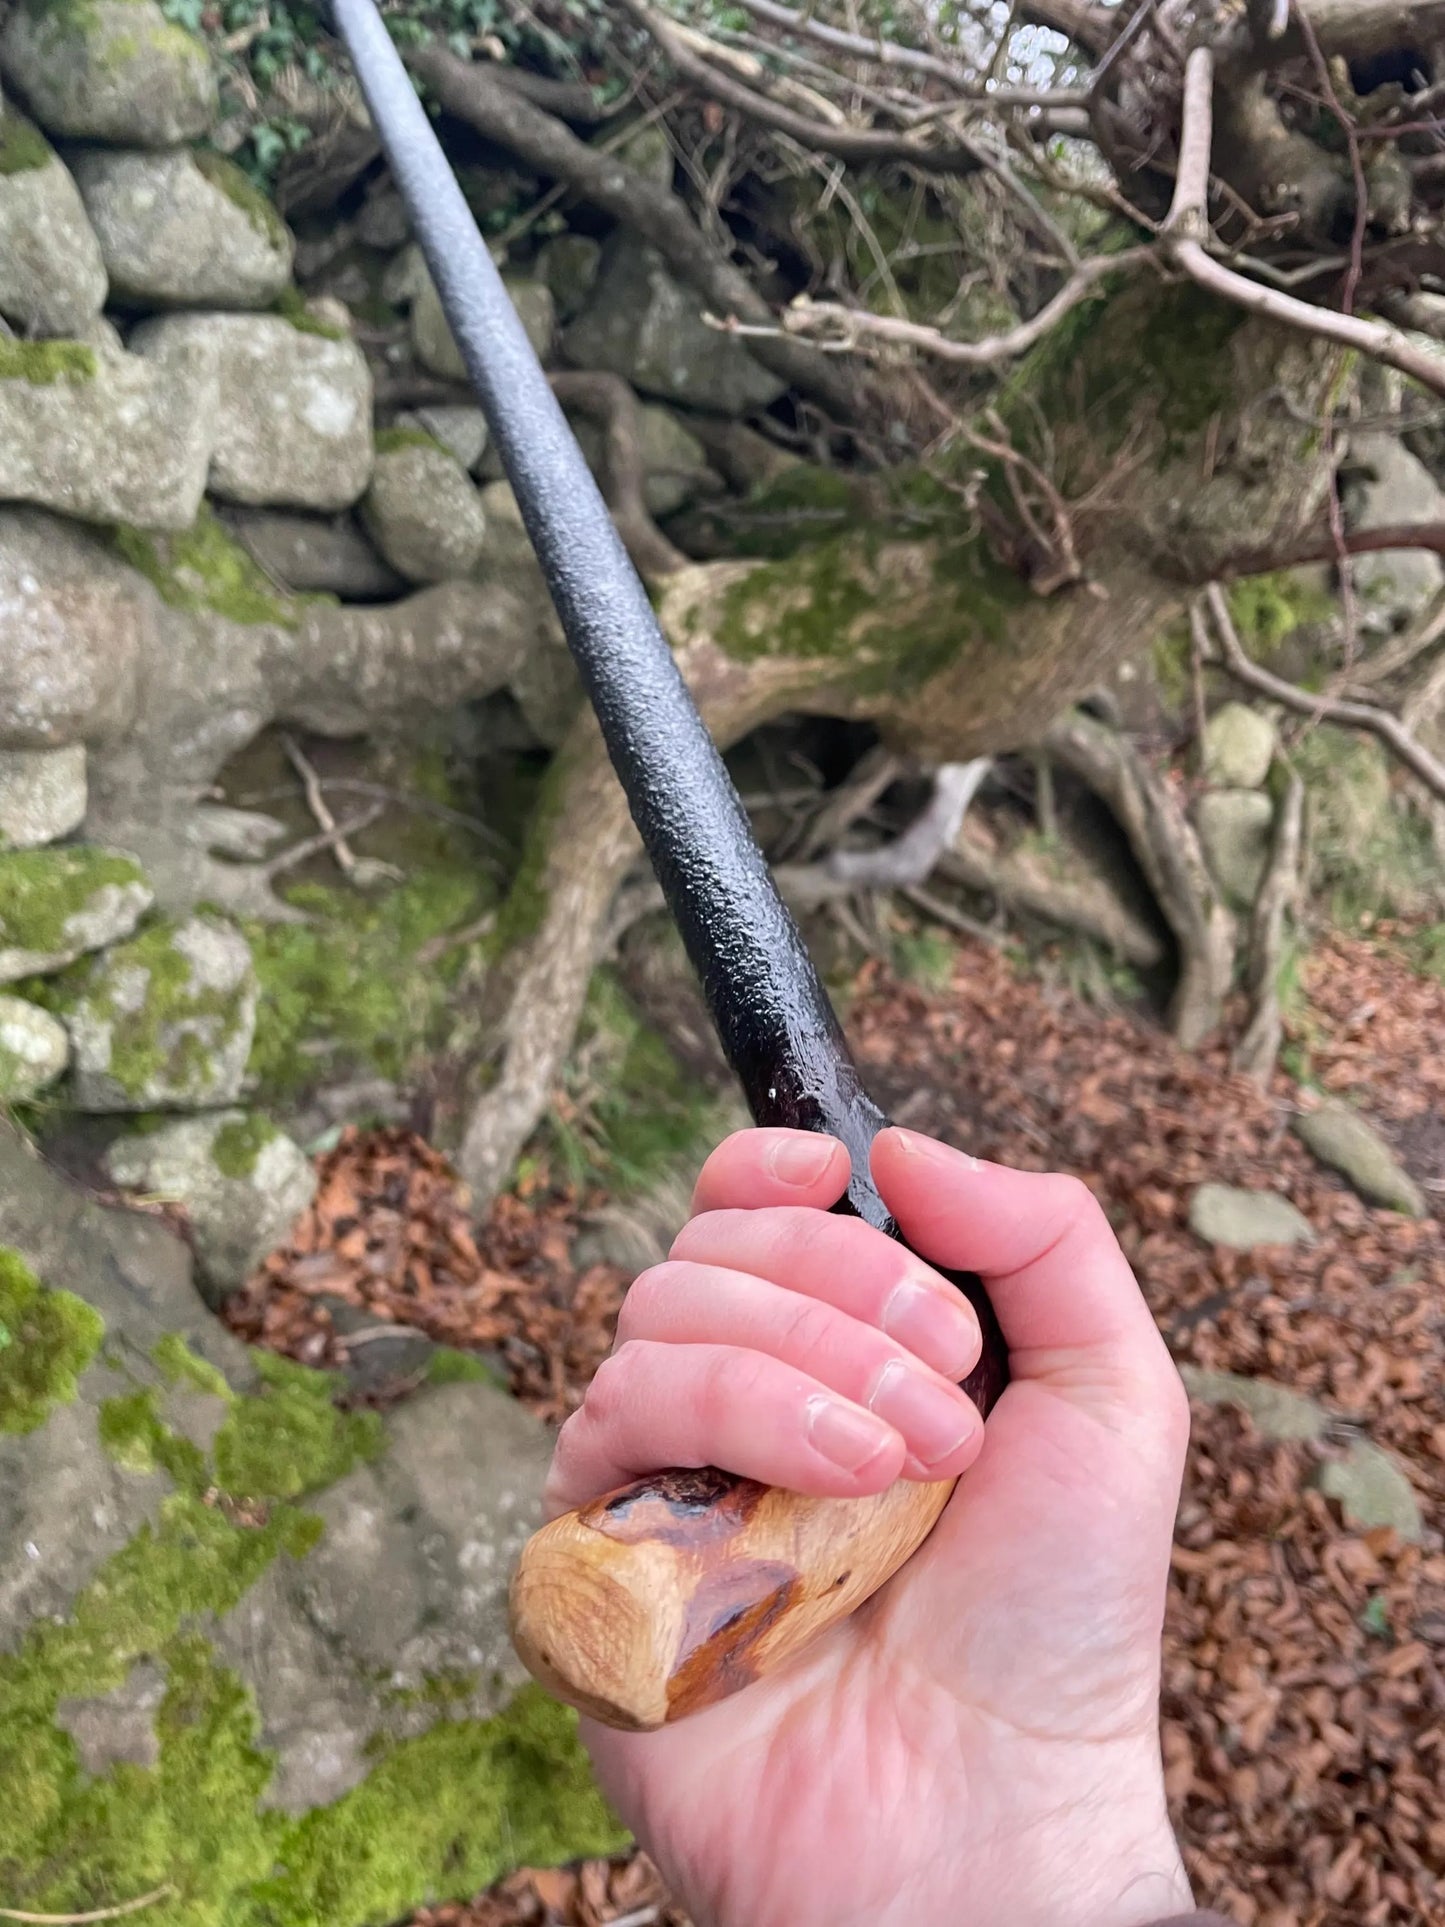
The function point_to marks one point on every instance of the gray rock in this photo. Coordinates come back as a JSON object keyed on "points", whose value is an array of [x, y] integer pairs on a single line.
{"points": [[52, 279], [647, 150], [165, 1021], [568, 263], [292, 421], [405, 277], [1373, 1489], [1234, 830], [675, 466], [1392, 486], [383, 221], [423, 513], [55, 905], [1277, 1412], [34, 1050], [461, 431], [184, 229], [544, 679], [104, 436], [42, 795], [117, 1728], [312, 555], [1342, 1139], [645, 326], [1239, 745], [111, 70], [241, 1181], [432, 338], [1221, 1214]]}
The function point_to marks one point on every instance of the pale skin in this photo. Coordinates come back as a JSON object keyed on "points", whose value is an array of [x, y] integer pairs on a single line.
{"points": [[979, 1746]]}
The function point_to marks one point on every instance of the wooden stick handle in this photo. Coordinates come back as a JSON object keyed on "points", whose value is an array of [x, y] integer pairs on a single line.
{"points": [[660, 1599]]}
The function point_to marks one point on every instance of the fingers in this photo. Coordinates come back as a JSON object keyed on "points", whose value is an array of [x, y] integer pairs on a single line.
{"points": [[848, 1265], [693, 1304], [754, 1168], [1066, 1298], [653, 1405]]}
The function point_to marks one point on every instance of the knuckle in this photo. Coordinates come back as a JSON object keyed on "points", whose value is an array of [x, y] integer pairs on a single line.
{"points": [[806, 1327], [640, 1307], [730, 1382], [605, 1393]]}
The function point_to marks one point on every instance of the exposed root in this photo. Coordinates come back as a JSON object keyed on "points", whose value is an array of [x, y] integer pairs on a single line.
{"points": [[1258, 1048]]}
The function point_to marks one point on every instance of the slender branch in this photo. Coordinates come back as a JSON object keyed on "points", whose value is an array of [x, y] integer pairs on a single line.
{"points": [[162, 1892], [1319, 546], [1189, 213], [1351, 715], [848, 144], [912, 857]]}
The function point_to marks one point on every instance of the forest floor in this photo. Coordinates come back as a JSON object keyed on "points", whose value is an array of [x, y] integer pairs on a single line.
{"points": [[1304, 1680]]}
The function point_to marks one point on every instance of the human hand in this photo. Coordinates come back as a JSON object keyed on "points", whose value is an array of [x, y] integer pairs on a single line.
{"points": [[978, 1746]]}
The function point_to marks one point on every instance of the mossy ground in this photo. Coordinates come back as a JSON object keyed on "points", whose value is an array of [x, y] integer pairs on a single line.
{"points": [[41, 890], [47, 1338], [439, 1815], [203, 569], [43, 363]]}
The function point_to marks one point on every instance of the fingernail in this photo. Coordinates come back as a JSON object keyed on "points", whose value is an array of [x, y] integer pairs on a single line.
{"points": [[934, 1420], [936, 1323], [800, 1160], [844, 1434]]}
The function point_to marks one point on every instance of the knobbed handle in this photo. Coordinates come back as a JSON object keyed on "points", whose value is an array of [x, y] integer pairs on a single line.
{"points": [[656, 1601]]}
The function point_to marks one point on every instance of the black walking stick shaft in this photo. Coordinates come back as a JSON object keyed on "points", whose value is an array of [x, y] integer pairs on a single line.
{"points": [[771, 1011]]}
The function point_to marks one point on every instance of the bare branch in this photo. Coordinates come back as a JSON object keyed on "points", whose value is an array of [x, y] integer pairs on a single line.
{"points": [[1330, 709], [912, 857], [848, 144]]}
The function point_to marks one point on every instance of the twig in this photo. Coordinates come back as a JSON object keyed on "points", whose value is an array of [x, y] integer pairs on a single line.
{"points": [[912, 857], [312, 845], [423, 805], [311, 783], [1357, 165], [438, 946], [952, 919], [162, 1892], [1379, 722]]}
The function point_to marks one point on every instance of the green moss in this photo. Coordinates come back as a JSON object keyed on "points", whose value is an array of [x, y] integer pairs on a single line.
{"points": [[23, 147], [1267, 609], [165, 1027], [47, 1339], [179, 1365], [447, 1366], [239, 1142], [239, 188], [290, 304], [42, 363], [204, 569], [41, 891], [291, 1438], [390, 441], [1370, 854]]}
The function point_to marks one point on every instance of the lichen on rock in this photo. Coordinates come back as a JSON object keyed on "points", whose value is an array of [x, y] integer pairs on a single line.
{"points": [[42, 795], [34, 1050], [55, 905], [111, 70], [52, 278], [164, 1020]]}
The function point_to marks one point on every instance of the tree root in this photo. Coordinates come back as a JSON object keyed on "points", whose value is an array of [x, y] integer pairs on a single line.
{"points": [[1257, 1049]]}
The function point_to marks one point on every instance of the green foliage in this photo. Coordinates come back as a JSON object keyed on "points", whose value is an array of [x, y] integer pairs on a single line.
{"points": [[23, 147], [43, 363], [42, 890], [47, 1338], [239, 1142], [631, 1111], [203, 569]]}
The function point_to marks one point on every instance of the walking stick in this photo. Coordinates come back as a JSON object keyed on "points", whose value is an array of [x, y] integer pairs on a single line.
{"points": [[655, 1601]]}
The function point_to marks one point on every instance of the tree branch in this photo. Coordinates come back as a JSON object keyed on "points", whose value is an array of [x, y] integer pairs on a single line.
{"points": [[912, 857], [854, 145], [471, 93], [1351, 715]]}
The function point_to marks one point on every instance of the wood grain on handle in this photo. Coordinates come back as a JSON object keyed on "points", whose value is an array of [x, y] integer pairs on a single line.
{"points": [[655, 1601]]}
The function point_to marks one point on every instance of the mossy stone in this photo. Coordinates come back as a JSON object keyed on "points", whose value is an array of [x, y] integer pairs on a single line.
{"points": [[43, 362], [47, 1338], [205, 568], [56, 904]]}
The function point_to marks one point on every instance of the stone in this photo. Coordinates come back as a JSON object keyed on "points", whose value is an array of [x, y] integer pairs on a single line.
{"points": [[405, 277], [674, 462], [1389, 485], [1234, 830], [423, 513], [292, 421], [1239, 746], [55, 905], [110, 70], [313, 555], [647, 327], [34, 1050], [165, 1020], [102, 435], [1347, 1143], [568, 263], [1222, 1214], [647, 150], [184, 229], [241, 1181], [382, 220], [339, 1585], [432, 338], [462, 431], [42, 795], [544, 680], [52, 278], [1373, 1489], [1277, 1412]]}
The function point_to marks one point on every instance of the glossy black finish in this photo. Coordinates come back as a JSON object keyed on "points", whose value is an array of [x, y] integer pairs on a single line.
{"points": [[772, 1013]]}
